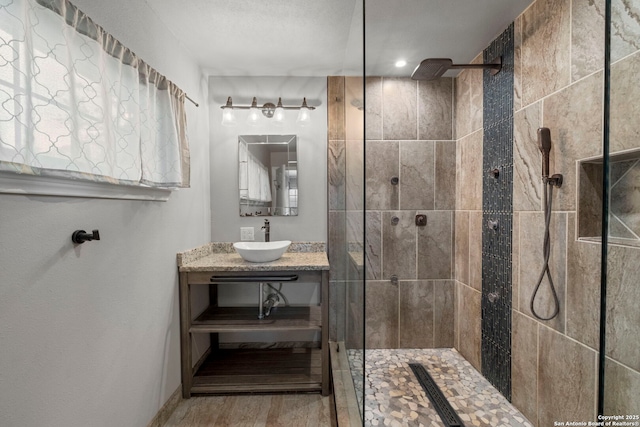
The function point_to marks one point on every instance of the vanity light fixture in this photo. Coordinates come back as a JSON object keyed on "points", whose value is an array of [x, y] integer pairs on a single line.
{"points": [[269, 110]]}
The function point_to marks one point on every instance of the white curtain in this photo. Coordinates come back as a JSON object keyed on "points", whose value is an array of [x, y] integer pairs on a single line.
{"points": [[255, 185], [76, 103]]}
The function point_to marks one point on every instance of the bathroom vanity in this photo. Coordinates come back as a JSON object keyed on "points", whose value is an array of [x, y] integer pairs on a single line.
{"points": [[249, 368]]}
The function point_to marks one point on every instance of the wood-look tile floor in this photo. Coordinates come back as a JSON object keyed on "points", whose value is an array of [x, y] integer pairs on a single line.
{"points": [[286, 410]]}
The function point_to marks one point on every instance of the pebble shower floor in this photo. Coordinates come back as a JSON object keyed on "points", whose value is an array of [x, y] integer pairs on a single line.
{"points": [[393, 396]]}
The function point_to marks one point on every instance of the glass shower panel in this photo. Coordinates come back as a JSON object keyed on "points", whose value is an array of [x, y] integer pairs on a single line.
{"points": [[346, 217], [355, 231], [346, 235], [621, 385]]}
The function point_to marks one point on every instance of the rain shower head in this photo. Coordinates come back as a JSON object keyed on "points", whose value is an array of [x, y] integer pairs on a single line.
{"points": [[433, 68]]}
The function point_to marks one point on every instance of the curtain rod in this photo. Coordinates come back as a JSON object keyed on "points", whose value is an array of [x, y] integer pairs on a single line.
{"points": [[194, 102]]}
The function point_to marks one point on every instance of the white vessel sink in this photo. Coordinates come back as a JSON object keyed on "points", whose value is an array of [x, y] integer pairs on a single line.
{"points": [[261, 251]]}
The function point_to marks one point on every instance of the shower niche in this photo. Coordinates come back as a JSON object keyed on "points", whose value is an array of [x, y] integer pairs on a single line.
{"points": [[624, 198]]}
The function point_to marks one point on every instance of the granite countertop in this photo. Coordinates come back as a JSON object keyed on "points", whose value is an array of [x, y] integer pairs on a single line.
{"points": [[222, 257], [357, 258]]}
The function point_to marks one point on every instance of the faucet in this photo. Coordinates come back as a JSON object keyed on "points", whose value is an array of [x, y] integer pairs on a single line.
{"points": [[266, 229]]}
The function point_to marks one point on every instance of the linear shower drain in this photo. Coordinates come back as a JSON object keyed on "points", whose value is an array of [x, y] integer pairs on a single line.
{"points": [[440, 403]]}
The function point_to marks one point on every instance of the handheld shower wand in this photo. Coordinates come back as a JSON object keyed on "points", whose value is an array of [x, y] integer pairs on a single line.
{"points": [[544, 144]]}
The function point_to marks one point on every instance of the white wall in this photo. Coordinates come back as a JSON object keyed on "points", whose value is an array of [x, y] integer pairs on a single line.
{"points": [[89, 335], [311, 222]]}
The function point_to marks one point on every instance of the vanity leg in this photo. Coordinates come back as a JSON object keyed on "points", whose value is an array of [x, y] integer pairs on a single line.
{"points": [[185, 336], [260, 297], [325, 332], [214, 338]]}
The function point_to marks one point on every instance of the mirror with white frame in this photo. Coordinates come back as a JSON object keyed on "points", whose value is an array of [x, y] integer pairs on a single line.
{"points": [[268, 175]]}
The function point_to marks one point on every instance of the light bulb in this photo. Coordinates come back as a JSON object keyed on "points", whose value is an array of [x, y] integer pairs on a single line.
{"points": [[228, 118], [254, 113], [304, 116], [278, 114], [254, 116]]}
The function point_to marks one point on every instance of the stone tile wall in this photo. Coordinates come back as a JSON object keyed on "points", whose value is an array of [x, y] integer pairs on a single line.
{"points": [[558, 84], [409, 135], [468, 244], [336, 248], [346, 211]]}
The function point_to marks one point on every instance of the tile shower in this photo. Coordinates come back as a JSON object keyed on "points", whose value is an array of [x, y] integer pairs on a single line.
{"points": [[422, 298], [431, 136]]}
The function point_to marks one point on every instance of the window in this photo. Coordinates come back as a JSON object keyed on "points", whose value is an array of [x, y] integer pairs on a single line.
{"points": [[75, 103]]}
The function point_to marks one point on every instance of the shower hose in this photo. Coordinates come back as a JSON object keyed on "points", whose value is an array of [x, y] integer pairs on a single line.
{"points": [[546, 250]]}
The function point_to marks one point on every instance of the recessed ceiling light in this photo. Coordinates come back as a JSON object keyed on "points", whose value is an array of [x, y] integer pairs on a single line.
{"points": [[401, 63]]}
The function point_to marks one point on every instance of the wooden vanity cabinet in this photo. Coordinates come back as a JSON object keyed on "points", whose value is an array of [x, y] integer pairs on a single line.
{"points": [[253, 370]]}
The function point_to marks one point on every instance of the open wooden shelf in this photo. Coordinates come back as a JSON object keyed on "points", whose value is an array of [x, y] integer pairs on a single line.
{"points": [[245, 319], [260, 370]]}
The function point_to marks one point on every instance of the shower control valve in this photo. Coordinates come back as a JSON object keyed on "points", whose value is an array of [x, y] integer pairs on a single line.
{"points": [[495, 172], [493, 225], [395, 180], [395, 220], [493, 297]]}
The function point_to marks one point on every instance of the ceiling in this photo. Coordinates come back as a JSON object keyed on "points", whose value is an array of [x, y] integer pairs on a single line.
{"points": [[325, 37]]}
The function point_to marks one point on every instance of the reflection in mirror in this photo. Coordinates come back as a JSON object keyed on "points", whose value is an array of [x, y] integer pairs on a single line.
{"points": [[268, 175]]}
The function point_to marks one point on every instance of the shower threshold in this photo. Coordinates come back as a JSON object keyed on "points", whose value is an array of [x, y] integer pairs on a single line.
{"points": [[393, 395]]}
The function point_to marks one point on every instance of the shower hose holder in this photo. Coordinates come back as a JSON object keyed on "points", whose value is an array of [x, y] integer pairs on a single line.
{"points": [[555, 180]]}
